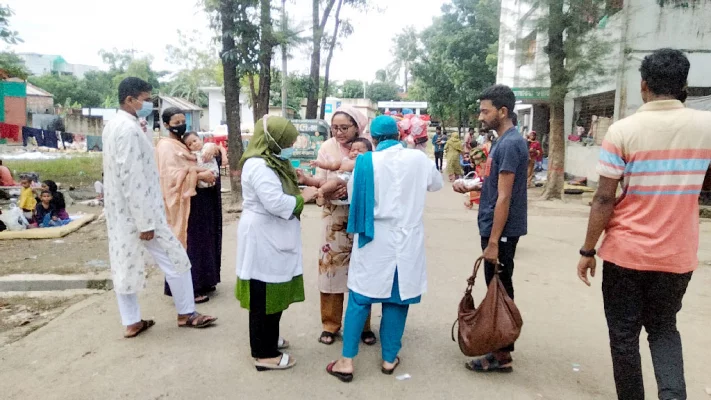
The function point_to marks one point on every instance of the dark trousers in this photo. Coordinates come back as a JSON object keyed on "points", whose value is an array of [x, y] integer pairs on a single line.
{"points": [[634, 299], [439, 157], [263, 328], [507, 252]]}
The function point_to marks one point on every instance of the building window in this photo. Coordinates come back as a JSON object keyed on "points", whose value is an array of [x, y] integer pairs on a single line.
{"points": [[527, 49], [593, 116]]}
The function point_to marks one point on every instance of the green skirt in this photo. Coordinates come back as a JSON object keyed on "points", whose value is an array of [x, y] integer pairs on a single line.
{"points": [[279, 295]]}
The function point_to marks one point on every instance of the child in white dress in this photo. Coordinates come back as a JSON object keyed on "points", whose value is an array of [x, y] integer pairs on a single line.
{"points": [[344, 167], [198, 152]]}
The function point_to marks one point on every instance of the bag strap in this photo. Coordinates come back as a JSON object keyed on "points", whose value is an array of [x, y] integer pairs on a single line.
{"points": [[472, 279]]}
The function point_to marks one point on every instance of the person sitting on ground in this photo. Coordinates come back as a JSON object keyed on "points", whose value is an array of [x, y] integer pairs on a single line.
{"points": [[45, 212], [6, 176], [99, 188], [345, 167], [58, 202], [204, 155], [27, 200]]}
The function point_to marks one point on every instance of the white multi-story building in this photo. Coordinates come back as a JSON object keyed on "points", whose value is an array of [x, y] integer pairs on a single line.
{"points": [[631, 30], [42, 64]]}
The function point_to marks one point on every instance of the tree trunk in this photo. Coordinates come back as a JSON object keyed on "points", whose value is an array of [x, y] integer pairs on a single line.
{"points": [[407, 71], [284, 59], [266, 51], [318, 27], [253, 97], [232, 89], [559, 89], [328, 60]]}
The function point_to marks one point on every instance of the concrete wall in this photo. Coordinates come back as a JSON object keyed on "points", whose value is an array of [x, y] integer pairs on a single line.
{"points": [[84, 125], [39, 104], [582, 160]]}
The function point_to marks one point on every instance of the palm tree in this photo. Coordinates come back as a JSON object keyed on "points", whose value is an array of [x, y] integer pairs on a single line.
{"points": [[404, 52]]}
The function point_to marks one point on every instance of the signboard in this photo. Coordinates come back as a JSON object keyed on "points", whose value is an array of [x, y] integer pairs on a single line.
{"points": [[329, 108], [312, 133], [402, 104], [532, 93]]}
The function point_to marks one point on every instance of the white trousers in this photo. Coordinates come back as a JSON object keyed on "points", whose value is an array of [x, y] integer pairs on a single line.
{"points": [[181, 286]]}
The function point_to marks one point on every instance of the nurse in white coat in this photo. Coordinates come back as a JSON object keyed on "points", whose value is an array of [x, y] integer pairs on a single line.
{"points": [[269, 262], [387, 193]]}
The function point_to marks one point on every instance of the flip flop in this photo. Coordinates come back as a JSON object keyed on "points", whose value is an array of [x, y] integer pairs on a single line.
{"points": [[327, 335], [145, 325], [284, 363], [391, 371], [199, 325], [340, 375], [368, 338], [203, 299]]}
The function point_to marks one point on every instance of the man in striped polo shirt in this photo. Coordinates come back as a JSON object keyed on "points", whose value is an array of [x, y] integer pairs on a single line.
{"points": [[660, 155]]}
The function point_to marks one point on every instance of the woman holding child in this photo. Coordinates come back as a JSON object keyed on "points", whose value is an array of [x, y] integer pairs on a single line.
{"points": [[347, 125], [194, 213]]}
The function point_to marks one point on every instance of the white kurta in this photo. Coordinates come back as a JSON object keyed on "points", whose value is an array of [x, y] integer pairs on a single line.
{"points": [[268, 235], [402, 179], [133, 204]]}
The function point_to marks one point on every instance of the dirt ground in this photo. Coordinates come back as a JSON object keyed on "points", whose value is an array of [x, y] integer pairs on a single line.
{"points": [[563, 352]]}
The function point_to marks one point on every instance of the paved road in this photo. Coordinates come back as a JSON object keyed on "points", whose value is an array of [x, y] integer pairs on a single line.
{"points": [[81, 355]]}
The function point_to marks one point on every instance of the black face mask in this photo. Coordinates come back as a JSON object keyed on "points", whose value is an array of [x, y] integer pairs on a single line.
{"points": [[179, 129]]}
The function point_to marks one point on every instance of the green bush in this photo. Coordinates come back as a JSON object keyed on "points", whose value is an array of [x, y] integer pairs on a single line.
{"points": [[79, 170]]}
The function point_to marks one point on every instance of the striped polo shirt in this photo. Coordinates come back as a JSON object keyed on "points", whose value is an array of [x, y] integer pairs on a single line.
{"points": [[661, 154]]}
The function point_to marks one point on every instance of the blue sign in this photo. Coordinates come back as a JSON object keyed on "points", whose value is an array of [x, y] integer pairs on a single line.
{"points": [[338, 104], [329, 108]]}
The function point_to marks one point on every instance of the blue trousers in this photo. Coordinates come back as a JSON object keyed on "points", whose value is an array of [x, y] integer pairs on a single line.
{"points": [[392, 324]]}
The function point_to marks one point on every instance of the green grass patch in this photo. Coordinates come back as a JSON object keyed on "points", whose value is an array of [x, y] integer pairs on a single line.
{"points": [[79, 170]]}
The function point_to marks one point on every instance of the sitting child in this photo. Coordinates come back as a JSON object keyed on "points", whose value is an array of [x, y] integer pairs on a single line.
{"points": [[58, 203], [27, 200], [344, 167], [45, 213], [205, 162]]}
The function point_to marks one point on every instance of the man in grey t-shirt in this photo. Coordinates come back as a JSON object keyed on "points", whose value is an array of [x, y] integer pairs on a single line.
{"points": [[503, 210]]}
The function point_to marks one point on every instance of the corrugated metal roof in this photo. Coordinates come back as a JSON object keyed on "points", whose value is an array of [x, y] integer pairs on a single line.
{"points": [[181, 103], [33, 90]]}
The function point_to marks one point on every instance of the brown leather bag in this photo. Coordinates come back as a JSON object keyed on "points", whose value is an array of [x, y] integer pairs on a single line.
{"points": [[495, 324]]}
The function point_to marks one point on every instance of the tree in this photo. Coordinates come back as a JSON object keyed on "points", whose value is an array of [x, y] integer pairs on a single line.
{"points": [[267, 41], [319, 24], [117, 60], [13, 66], [6, 34], [452, 70], [383, 92], [405, 52], [233, 19], [574, 58], [198, 65], [353, 89], [331, 47]]}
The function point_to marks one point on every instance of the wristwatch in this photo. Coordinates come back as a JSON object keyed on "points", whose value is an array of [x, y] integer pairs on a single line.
{"points": [[588, 253]]}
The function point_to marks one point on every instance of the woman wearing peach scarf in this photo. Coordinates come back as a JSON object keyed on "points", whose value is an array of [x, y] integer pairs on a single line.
{"points": [[347, 124]]}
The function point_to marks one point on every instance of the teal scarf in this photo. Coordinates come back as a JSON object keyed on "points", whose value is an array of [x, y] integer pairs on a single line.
{"points": [[361, 217]]}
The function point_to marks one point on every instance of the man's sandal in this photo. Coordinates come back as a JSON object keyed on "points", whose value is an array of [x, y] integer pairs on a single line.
{"points": [[145, 325], [197, 321]]}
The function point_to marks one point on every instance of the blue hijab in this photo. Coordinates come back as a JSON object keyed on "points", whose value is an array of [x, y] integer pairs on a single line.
{"points": [[361, 217]]}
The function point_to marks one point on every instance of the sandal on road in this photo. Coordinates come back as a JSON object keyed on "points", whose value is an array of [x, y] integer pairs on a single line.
{"points": [[489, 363], [197, 320], [282, 344], [285, 362], [145, 325], [342, 376], [390, 371], [327, 338], [368, 338], [201, 299]]}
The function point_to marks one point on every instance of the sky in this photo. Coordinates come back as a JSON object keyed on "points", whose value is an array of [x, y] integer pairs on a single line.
{"points": [[78, 29]]}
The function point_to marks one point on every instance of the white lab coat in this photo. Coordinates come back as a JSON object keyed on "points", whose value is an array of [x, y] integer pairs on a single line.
{"points": [[133, 203], [402, 179], [268, 234]]}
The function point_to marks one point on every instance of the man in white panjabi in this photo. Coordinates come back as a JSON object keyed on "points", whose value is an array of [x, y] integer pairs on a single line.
{"points": [[387, 193], [135, 215]]}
